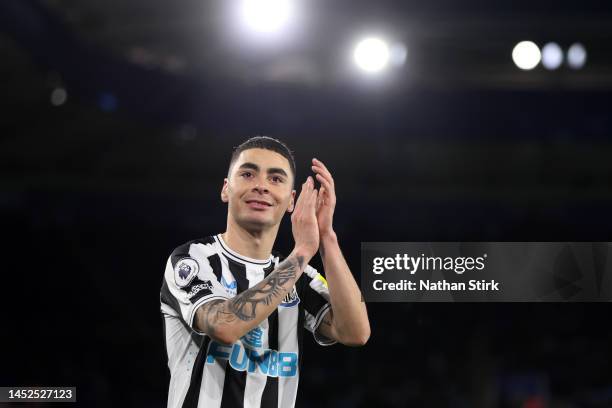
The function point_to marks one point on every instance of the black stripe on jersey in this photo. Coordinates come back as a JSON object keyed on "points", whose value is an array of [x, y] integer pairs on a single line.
{"points": [[193, 393], [215, 264], [269, 397], [239, 271], [272, 319], [233, 388], [300, 326], [312, 301], [164, 331], [303, 288], [235, 381]]}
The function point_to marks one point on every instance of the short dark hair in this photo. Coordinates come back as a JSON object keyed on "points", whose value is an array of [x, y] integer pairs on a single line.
{"points": [[268, 143]]}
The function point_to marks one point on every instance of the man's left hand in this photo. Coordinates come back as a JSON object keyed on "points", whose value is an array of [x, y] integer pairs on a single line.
{"points": [[326, 202]]}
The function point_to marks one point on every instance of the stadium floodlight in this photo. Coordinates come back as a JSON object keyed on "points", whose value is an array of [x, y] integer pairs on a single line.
{"points": [[371, 54], [576, 56], [526, 55], [552, 56], [266, 16]]}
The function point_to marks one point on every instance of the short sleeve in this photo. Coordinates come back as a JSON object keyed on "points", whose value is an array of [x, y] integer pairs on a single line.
{"points": [[316, 304], [190, 281]]}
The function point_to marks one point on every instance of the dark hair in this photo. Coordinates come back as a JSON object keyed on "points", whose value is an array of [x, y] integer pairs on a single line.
{"points": [[268, 143]]}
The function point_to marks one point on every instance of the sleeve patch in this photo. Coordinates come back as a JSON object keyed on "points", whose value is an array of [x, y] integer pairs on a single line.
{"points": [[184, 271], [198, 289]]}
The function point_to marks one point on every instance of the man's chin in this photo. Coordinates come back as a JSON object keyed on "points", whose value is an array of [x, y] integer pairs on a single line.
{"points": [[256, 223]]}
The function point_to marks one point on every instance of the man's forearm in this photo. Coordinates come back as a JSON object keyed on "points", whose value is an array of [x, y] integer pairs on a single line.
{"points": [[228, 320], [350, 317]]}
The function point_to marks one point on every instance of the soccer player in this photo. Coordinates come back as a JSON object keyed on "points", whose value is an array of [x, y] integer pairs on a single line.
{"points": [[233, 309]]}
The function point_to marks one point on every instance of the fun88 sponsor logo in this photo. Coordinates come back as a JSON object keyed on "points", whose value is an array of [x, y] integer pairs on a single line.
{"points": [[270, 362]]}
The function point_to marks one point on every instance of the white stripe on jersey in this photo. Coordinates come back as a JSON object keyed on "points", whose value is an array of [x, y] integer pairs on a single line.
{"points": [[256, 383], [213, 381], [275, 372], [288, 340]]}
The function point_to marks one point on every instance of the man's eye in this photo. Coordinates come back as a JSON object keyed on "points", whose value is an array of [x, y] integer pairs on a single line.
{"points": [[246, 174], [277, 179]]}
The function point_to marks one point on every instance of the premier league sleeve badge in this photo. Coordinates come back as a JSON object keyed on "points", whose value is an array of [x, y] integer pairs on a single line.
{"points": [[184, 271]]}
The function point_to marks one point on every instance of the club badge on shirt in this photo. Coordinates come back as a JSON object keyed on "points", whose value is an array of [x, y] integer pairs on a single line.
{"points": [[184, 271], [291, 299]]}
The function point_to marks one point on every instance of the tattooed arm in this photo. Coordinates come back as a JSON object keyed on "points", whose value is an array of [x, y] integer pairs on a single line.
{"points": [[228, 320]]}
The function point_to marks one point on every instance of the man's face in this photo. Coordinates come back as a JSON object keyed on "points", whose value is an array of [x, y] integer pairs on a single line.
{"points": [[259, 189]]}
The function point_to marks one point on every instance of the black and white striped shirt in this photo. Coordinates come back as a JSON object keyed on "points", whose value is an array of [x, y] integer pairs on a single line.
{"points": [[262, 368]]}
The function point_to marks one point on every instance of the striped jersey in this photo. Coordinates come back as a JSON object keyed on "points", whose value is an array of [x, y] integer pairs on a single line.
{"points": [[262, 368]]}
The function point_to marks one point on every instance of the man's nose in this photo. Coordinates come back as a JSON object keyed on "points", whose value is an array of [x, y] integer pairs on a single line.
{"points": [[261, 187]]}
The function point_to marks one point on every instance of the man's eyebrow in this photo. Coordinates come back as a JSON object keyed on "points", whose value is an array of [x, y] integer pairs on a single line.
{"points": [[249, 165], [277, 170]]}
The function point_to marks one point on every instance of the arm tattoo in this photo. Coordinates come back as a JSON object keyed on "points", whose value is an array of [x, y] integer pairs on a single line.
{"points": [[244, 305], [213, 313]]}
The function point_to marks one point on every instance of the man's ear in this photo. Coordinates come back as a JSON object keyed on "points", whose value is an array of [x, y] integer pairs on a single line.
{"points": [[224, 195], [291, 202]]}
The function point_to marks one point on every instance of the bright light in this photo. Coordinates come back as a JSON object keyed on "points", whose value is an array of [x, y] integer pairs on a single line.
{"points": [[526, 55], [552, 56], [58, 97], [576, 56], [371, 54], [266, 16]]}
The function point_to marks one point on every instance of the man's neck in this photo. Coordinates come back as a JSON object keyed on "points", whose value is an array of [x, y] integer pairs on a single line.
{"points": [[252, 244]]}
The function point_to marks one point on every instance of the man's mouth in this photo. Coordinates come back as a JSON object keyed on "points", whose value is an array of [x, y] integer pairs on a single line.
{"points": [[258, 204]]}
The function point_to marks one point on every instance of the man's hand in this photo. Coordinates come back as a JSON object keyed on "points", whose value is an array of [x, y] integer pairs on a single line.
{"points": [[304, 221], [348, 321], [326, 202]]}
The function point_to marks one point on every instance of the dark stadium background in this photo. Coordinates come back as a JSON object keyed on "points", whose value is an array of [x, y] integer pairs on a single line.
{"points": [[457, 145]]}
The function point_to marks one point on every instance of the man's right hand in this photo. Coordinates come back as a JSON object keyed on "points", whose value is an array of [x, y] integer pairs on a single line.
{"points": [[304, 221]]}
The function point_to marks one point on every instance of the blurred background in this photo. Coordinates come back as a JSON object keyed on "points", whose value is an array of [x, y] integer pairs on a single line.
{"points": [[440, 120]]}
